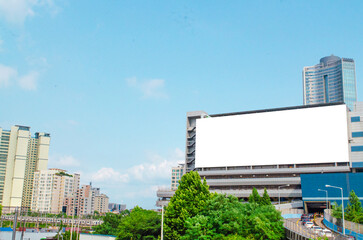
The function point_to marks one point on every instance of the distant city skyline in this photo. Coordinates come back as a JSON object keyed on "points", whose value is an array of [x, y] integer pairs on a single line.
{"points": [[112, 81]]}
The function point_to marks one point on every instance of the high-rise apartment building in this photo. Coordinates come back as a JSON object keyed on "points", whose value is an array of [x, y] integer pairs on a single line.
{"points": [[83, 202], [332, 80], [101, 203], [51, 187], [176, 175], [20, 156]]}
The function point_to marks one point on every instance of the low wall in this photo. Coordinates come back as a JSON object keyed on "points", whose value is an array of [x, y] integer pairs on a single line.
{"points": [[351, 228]]}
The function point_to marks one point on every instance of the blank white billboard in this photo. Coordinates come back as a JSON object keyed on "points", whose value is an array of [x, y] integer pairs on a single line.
{"points": [[305, 135]]}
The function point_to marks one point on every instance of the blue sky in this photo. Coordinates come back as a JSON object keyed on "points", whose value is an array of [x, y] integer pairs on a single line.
{"points": [[112, 80]]}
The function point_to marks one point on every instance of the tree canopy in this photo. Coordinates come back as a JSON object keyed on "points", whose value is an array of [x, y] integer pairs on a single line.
{"points": [[227, 218], [110, 223], [353, 212], [140, 224], [189, 199]]}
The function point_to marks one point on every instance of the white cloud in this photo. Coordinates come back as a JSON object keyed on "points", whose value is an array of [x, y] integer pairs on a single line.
{"points": [[64, 161], [29, 81], [153, 88], [6, 75], [109, 174], [9, 74], [16, 11], [157, 167]]}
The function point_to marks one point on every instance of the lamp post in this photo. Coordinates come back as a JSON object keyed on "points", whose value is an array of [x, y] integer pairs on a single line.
{"points": [[287, 185], [326, 197], [341, 190]]}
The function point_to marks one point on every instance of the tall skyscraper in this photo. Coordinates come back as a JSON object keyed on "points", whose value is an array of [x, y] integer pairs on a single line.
{"points": [[20, 156], [332, 80]]}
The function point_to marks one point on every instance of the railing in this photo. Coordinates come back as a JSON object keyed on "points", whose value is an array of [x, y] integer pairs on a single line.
{"points": [[351, 228], [86, 222], [295, 227]]}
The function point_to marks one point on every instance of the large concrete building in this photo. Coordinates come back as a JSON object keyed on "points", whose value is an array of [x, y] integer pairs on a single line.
{"points": [[272, 148], [20, 156], [332, 80], [51, 188]]}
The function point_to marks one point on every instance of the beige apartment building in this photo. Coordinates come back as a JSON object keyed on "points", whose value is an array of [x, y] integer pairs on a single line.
{"points": [[83, 203], [51, 188], [101, 203], [20, 156]]}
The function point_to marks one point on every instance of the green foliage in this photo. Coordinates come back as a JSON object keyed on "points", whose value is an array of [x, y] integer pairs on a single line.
{"points": [[227, 218], [63, 174], [353, 211], [336, 210], [254, 197], [110, 223], [265, 200], [1, 210], [188, 201], [140, 224], [354, 208]]}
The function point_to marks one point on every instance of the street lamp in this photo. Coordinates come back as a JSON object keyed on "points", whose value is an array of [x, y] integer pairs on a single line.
{"points": [[341, 190], [326, 198], [287, 185]]}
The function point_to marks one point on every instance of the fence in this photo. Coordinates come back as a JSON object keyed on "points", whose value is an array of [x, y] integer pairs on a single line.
{"points": [[351, 228]]}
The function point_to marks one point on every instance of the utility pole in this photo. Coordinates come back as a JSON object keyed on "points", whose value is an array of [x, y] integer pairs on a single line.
{"points": [[162, 222], [15, 223]]}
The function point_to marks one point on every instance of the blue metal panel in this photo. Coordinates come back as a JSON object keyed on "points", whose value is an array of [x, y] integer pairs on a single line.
{"points": [[357, 165], [310, 183]]}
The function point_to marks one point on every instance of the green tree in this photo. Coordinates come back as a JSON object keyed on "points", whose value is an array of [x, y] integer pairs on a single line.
{"points": [[336, 210], [265, 200], [1, 210], [227, 218], [354, 207], [254, 197], [140, 224], [189, 200], [110, 223]]}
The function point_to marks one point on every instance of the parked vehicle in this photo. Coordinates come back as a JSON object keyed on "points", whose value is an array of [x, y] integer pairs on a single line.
{"points": [[305, 221], [316, 229], [326, 233], [309, 224]]}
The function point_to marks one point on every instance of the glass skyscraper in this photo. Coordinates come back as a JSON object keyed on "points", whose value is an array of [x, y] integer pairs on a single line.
{"points": [[332, 80]]}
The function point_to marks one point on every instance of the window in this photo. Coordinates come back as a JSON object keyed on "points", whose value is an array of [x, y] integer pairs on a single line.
{"points": [[355, 119], [357, 134], [357, 148]]}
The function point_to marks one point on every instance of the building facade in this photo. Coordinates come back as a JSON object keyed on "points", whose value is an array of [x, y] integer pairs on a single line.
{"points": [[176, 175], [280, 178], [51, 188], [20, 156], [101, 203], [83, 202], [332, 80], [116, 207]]}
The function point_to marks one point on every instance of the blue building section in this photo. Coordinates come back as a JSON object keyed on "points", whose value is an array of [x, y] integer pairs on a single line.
{"points": [[310, 183]]}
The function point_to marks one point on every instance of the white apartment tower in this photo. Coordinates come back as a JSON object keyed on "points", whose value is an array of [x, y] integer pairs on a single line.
{"points": [[51, 188], [20, 156]]}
